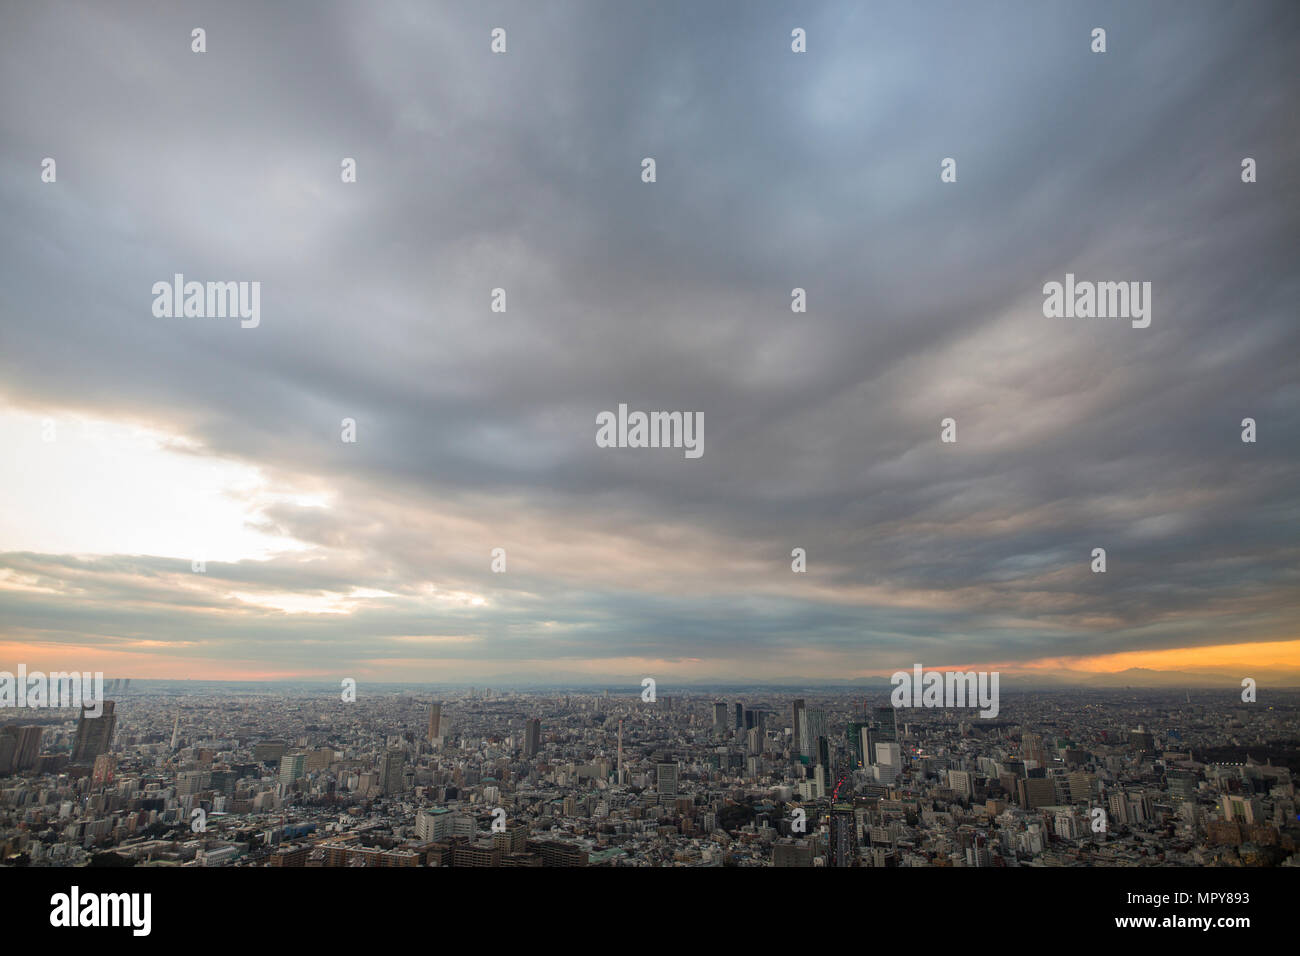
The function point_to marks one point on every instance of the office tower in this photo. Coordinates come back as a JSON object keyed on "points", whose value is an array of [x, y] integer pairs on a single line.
{"points": [[94, 734], [532, 737], [1031, 748], [798, 710], [740, 716], [1182, 784], [319, 759], [822, 752], [843, 836], [619, 779], [857, 742], [1142, 741], [1117, 807], [961, 782], [813, 726], [886, 730], [666, 779], [176, 731], [390, 771], [719, 715], [435, 721], [292, 766], [223, 782], [1081, 786], [20, 747], [1036, 792]]}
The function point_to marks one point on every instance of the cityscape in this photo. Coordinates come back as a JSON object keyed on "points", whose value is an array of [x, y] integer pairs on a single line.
{"points": [[191, 774], [503, 436]]}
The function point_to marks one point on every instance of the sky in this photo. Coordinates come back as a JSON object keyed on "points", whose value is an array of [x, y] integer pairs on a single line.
{"points": [[141, 444]]}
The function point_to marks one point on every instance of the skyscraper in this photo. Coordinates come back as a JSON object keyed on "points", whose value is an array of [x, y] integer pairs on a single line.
{"points": [[532, 737], [1031, 748], [666, 779], [292, 766], [883, 730], [798, 709], [886, 725], [94, 734], [813, 726], [857, 742], [719, 715], [435, 721], [390, 771], [19, 748]]}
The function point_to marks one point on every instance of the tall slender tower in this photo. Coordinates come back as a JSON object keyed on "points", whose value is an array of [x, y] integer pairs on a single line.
{"points": [[176, 730], [435, 721], [620, 753]]}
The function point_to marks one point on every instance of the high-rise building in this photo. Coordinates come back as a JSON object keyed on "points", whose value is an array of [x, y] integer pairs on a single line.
{"points": [[719, 715], [1031, 748], [390, 771], [292, 766], [883, 730], [961, 782], [666, 779], [94, 734], [740, 716], [435, 721], [20, 747], [813, 726], [1036, 792], [1182, 784], [1117, 806], [822, 752], [533, 737], [798, 710], [856, 739]]}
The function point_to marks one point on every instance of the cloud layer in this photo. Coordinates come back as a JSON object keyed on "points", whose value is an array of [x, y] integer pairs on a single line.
{"points": [[775, 171]]}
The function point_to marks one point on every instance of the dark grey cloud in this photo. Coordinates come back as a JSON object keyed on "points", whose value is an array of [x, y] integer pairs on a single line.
{"points": [[775, 171]]}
